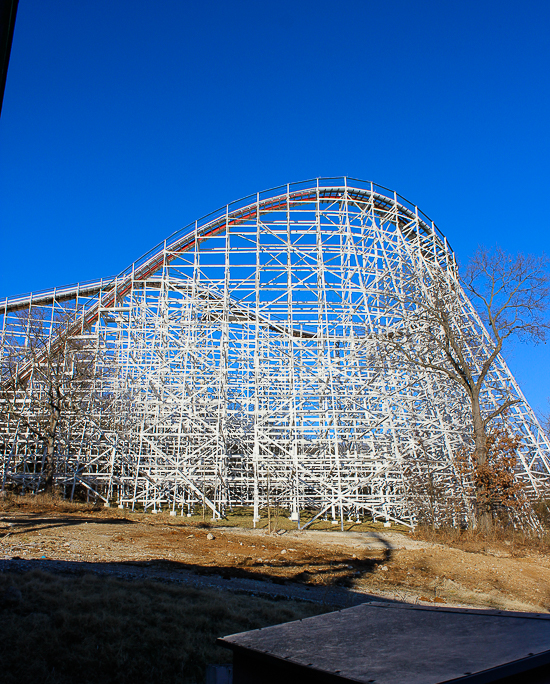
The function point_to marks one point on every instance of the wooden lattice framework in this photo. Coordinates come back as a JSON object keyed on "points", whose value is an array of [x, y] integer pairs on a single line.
{"points": [[246, 355]]}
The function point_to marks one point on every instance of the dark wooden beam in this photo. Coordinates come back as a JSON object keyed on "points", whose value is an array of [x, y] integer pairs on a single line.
{"points": [[8, 10]]}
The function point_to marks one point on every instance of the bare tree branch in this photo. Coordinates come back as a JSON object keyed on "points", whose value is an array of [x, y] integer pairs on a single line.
{"points": [[510, 294], [44, 385]]}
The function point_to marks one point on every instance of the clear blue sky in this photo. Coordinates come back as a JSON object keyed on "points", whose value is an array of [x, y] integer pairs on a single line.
{"points": [[125, 120]]}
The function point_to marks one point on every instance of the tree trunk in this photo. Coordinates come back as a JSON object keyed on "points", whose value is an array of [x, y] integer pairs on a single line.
{"points": [[483, 509], [49, 464], [47, 470]]}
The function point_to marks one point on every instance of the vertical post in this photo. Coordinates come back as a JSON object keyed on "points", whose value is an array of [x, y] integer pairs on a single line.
{"points": [[256, 387], [268, 503]]}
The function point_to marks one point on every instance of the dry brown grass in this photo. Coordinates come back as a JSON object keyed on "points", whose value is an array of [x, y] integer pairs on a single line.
{"points": [[514, 542], [45, 503], [65, 629], [48, 504]]}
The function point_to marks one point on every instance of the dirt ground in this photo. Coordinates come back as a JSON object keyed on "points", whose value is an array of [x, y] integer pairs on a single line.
{"points": [[389, 564]]}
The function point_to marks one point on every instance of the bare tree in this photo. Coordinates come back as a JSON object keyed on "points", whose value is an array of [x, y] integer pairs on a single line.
{"points": [[510, 295], [46, 381]]}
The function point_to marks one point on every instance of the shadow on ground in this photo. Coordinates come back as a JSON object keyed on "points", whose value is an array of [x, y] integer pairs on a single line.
{"points": [[36, 523], [314, 574]]}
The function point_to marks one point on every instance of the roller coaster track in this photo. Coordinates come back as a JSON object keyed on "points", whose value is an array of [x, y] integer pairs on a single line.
{"points": [[115, 289]]}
